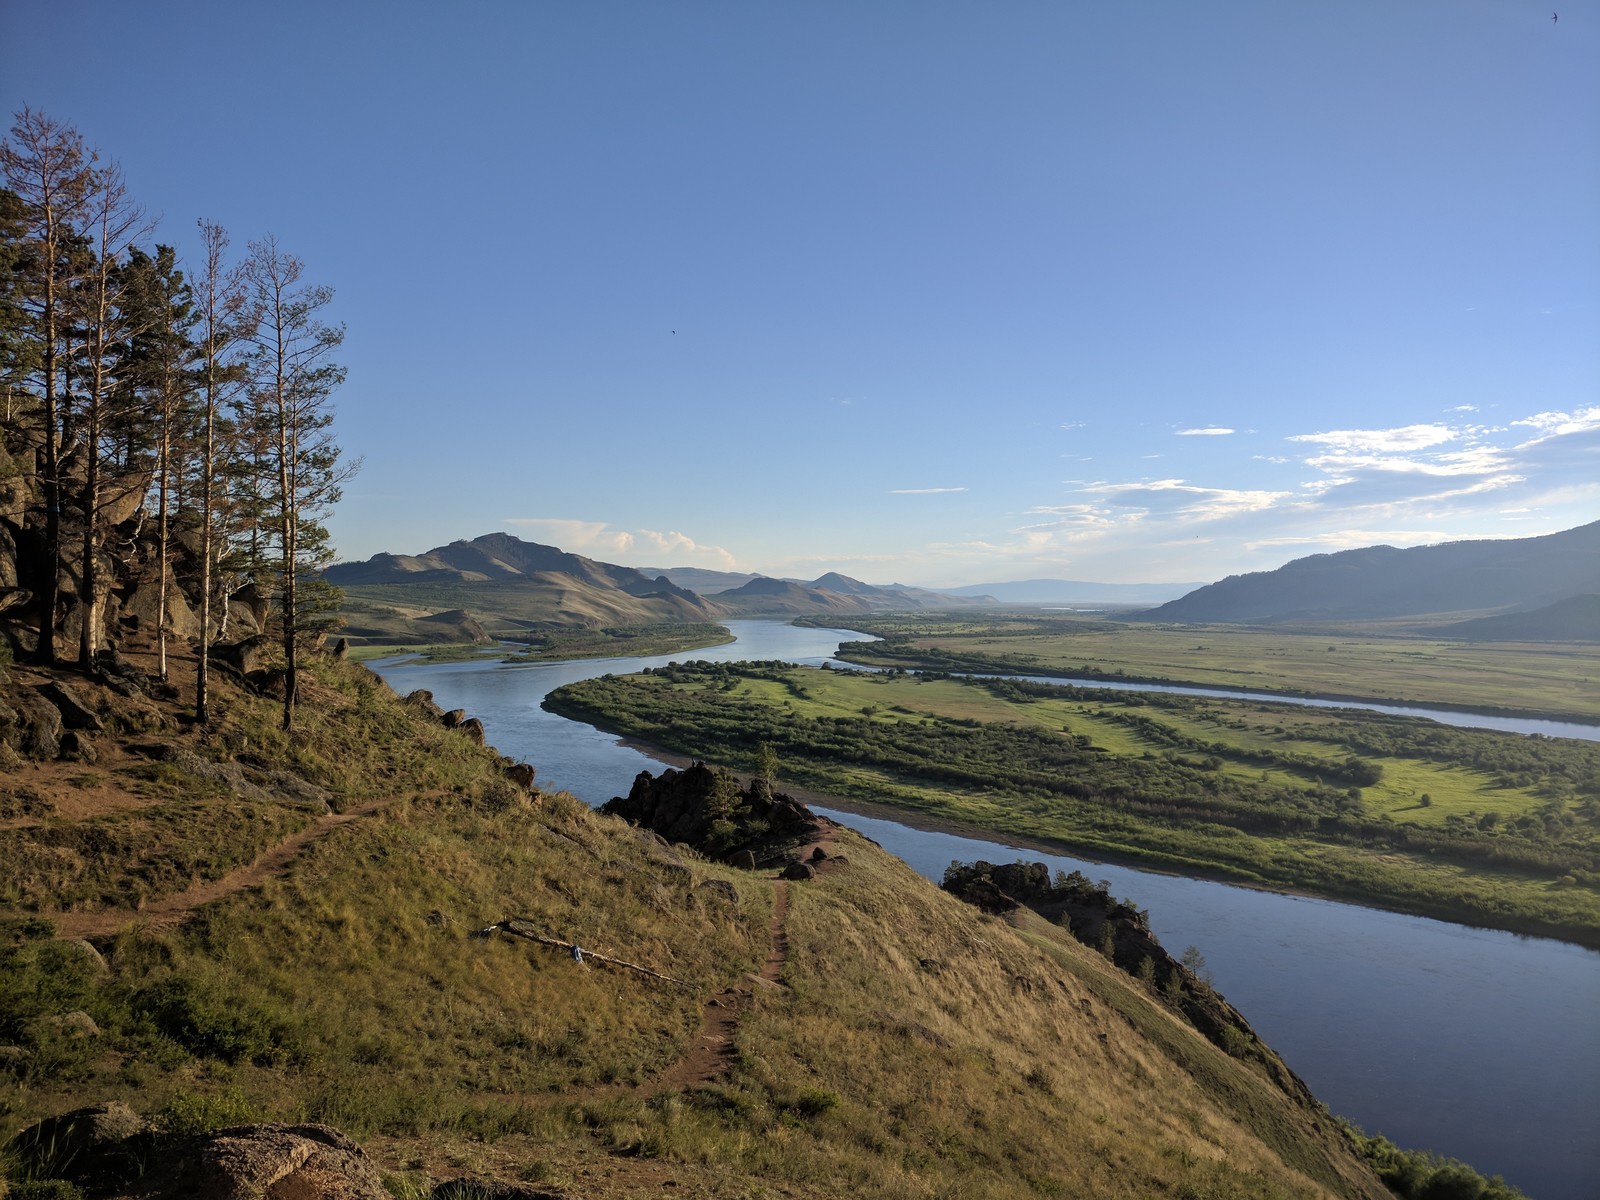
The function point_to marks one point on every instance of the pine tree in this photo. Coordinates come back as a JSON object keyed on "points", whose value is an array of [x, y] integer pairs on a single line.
{"points": [[220, 378], [293, 377], [50, 170], [157, 380]]}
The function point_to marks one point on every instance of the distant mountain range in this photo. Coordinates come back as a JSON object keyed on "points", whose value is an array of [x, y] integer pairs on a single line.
{"points": [[1069, 591], [499, 582], [1025, 591], [1493, 579]]}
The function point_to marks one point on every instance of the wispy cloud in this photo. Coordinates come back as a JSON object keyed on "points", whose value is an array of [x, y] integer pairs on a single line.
{"points": [[1206, 431], [597, 537], [1558, 424], [1380, 441], [923, 491]]}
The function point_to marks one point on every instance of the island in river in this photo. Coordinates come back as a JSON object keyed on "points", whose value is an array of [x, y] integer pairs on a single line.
{"points": [[1472, 826]]}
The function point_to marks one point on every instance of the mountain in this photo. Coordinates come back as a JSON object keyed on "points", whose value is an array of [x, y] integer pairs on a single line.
{"points": [[1382, 581], [1069, 591], [830, 593], [701, 579], [502, 582], [495, 556]]}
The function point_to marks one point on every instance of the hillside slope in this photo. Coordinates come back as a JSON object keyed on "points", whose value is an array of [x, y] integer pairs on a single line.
{"points": [[897, 1043], [1382, 581]]}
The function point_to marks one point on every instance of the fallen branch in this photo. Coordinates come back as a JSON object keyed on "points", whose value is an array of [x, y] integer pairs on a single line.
{"points": [[522, 930]]}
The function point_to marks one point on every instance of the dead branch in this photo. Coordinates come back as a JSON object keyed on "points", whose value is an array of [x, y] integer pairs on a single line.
{"points": [[522, 929]]}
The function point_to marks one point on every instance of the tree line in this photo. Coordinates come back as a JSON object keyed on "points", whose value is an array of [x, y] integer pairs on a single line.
{"points": [[198, 399]]}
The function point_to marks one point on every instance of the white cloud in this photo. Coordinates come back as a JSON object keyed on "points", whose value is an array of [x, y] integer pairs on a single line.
{"points": [[1381, 441], [1558, 424], [1178, 498], [1207, 431], [685, 550], [577, 537], [597, 538], [923, 491]]}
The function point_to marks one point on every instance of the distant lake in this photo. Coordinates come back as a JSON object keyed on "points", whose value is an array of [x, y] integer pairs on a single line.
{"points": [[1481, 1045]]}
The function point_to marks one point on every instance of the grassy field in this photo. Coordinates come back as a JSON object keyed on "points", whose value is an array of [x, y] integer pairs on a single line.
{"points": [[1558, 680], [1488, 828]]}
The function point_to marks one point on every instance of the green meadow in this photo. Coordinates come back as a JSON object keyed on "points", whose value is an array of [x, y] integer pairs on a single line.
{"points": [[1369, 661]]}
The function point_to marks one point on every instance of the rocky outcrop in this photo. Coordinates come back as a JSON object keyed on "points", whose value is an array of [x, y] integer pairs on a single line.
{"points": [[265, 1162], [706, 808]]}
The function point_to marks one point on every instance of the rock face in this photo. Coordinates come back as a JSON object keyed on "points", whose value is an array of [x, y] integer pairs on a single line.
{"points": [[265, 1162], [706, 808]]}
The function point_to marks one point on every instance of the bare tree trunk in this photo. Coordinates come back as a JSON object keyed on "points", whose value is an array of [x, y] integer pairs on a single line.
{"points": [[162, 467]]}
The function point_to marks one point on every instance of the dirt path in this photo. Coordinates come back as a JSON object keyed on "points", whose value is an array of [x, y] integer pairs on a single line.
{"points": [[177, 908], [711, 1054]]}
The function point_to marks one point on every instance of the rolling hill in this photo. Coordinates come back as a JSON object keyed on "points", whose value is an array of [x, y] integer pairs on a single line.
{"points": [[1375, 582], [470, 589]]}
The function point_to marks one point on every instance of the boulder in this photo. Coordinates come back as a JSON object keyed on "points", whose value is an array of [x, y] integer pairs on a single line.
{"points": [[473, 728], [423, 699], [34, 730], [521, 774], [819, 855], [341, 648], [97, 1144], [454, 718], [144, 606], [78, 746], [88, 954], [722, 890], [799, 871], [244, 658], [745, 860], [77, 710], [265, 1162], [250, 606]]}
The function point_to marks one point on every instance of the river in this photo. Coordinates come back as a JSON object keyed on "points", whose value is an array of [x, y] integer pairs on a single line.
{"points": [[1477, 1044]]}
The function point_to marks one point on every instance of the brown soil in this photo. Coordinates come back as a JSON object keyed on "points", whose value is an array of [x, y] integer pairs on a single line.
{"points": [[175, 909], [712, 1052]]}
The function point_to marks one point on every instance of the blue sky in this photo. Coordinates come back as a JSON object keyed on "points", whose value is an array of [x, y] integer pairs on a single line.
{"points": [[929, 292]]}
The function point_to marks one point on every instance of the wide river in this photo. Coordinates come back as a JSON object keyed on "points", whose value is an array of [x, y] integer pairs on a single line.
{"points": [[1480, 1045]]}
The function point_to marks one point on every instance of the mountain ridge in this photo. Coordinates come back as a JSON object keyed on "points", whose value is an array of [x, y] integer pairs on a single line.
{"points": [[1373, 582]]}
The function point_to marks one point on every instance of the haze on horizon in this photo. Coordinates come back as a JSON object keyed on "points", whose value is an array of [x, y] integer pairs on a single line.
{"points": [[933, 293]]}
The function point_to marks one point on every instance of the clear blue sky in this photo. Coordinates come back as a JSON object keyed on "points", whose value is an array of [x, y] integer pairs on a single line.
{"points": [[920, 291]]}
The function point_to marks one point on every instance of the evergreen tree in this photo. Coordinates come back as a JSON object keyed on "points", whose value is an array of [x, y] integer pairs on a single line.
{"points": [[220, 378], [50, 170], [293, 377], [157, 380]]}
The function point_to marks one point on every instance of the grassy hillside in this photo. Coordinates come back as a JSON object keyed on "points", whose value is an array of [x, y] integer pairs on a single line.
{"points": [[286, 927]]}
